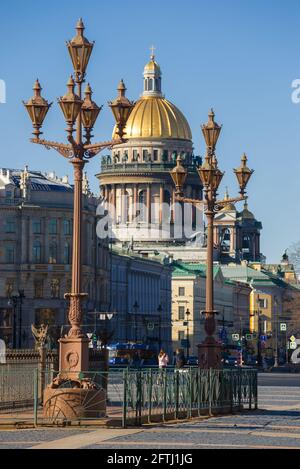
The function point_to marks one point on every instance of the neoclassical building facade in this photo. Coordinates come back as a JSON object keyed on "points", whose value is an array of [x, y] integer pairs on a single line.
{"points": [[36, 213], [135, 179]]}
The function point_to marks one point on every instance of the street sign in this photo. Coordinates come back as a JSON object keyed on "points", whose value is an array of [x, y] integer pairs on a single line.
{"points": [[235, 337], [293, 338], [248, 336], [150, 326], [282, 326], [293, 345], [263, 338]]}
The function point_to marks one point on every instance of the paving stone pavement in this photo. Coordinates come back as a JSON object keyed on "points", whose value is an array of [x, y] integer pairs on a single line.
{"points": [[275, 425]]}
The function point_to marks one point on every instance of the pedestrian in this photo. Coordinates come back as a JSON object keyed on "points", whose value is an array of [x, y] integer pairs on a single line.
{"points": [[163, 359], [179, 358]]}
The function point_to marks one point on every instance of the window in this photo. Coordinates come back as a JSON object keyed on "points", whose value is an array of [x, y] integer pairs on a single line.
{"points": [[181, 291], [38, 288], [142, 206], [67, 254], [37, 227], [53, 226], [134, 155], [180, 335], [225, 240], [181, 313], [262, 303], [9, 287], [67, 227], [155, 155], [165, 155], [10, 226], [53, 252], [145, 155], [37, 252], [55, 288], [10, 255]]}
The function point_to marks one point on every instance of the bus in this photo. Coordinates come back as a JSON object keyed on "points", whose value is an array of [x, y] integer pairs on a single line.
{"points": [[132, 354]]}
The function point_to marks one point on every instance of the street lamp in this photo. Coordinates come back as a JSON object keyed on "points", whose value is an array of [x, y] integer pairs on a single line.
{"points": [[82, 114], [135, 308], [159, 310], [16, 301], [211, 177], [187, 313]]}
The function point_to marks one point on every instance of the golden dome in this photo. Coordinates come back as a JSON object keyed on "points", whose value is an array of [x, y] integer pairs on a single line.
{"points": [[152, 66], [229, 207], [156, 117]]}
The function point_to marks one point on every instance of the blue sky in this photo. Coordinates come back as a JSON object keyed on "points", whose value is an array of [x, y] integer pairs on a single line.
{"points": [[239, 56]]}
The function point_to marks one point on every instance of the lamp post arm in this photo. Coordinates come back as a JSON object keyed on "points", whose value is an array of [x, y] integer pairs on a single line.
{"points": [[217, 205], [64, 149], [233, 200], [92, 150]]}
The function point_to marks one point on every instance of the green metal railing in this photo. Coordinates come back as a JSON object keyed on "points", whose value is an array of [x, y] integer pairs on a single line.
{"points": [[151, 395], [131, 396]]}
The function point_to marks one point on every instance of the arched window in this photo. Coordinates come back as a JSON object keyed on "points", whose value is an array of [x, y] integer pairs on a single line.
{"points": [[150, 84], [67, 227], [127, 206], [166, 213], [37, 252], [246, 243], [142, 209], [53, 252], [67, 253], [53, 226], [225, 240]]}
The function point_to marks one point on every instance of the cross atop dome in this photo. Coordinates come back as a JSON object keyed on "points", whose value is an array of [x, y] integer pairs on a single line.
{"points": [[152, 56]]}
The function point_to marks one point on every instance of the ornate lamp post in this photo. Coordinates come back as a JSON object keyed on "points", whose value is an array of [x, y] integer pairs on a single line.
{"points": [[211, 177], [81, 113], [187, 313], [16, 301]]}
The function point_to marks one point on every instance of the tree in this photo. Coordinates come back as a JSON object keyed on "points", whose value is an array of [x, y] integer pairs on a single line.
{"points": [[294, 256]]}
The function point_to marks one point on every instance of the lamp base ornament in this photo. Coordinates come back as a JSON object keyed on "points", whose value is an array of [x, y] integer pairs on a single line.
{"points": [[209, 354], [71, 396]]}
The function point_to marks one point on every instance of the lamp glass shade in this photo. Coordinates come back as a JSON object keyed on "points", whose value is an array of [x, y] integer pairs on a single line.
{"points": [[89, 110], [121, 108], [80, 50], [211, 131], [37, 107], [217, 177], [243, 173], [179, 175], [70, 103]]}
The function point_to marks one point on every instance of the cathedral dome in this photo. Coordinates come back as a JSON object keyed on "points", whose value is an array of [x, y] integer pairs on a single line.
{"points": [[153, 116], [157, 118], [246, 214]]}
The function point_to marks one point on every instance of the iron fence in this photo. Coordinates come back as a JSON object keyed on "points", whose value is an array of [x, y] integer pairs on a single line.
{"points": [[151, 395], [125, 397]]}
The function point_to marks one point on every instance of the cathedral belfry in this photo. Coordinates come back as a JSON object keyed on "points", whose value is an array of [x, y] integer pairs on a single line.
{"points": [[135, 178], [237, 234]]}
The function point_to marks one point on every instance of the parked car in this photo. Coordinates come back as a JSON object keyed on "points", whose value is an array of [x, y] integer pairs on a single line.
{"points": [[192, 361]]}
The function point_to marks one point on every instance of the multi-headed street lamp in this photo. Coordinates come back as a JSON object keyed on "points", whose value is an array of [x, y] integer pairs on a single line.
{"points": [[211, 177], [83, 114]]}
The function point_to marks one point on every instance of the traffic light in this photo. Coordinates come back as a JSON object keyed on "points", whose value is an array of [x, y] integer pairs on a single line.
{"points": [[94, 339]]}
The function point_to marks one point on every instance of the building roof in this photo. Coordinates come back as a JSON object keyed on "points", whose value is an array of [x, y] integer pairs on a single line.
{"points": [[257, 278], [38, 181], [186, 269]]}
